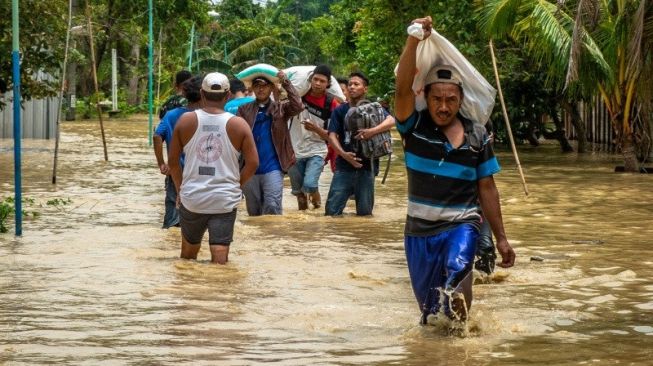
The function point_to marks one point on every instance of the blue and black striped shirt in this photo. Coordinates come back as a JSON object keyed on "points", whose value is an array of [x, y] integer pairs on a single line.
{"points": [[442, 180]]}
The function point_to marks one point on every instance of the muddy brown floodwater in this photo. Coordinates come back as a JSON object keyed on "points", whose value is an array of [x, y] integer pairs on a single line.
{"points": [[97, 281]]}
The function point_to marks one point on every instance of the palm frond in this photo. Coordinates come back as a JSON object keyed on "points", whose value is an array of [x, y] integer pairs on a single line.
{"points": [[245, 64], [635, 52], [497, 18], [587, 16], [547, 32], [252, 47]]}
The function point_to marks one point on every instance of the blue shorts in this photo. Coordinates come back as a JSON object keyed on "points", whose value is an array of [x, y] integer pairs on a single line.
{"points": [[438, 263]]}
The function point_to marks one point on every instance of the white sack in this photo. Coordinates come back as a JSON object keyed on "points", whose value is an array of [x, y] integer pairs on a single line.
{"points": [[478, 101], [299, 77]]}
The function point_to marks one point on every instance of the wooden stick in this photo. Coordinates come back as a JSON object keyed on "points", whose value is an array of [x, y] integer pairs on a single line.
{"points": [[507, 120], [97, 89], [61, 96]]}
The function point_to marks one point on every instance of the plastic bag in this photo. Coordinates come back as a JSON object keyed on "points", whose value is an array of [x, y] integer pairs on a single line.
{"points": [[299, 77], [267, 71], [479, 95]]}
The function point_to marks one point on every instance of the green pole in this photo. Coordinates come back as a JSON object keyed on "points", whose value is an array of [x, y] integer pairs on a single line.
{"points": [[150, 75], [190, 49], [15, 57]]}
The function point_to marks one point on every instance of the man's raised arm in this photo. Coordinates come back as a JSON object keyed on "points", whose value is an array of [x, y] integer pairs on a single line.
{"points": [[404, 95]]}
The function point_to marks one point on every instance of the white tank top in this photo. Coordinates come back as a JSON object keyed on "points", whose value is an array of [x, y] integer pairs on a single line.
{"points": [[211, 177]]}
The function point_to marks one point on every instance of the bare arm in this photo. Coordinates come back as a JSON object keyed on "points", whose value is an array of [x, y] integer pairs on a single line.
{"points": [[176, 148], [323, 133], [404, 95], [294, 105], [386, 125], [158, 152], [349, 156], [241, 137], [184, 130], [489, 198]]}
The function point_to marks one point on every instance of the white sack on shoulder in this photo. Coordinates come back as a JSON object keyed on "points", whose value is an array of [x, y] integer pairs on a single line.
{"points": [[478, 101], [299, 77]]}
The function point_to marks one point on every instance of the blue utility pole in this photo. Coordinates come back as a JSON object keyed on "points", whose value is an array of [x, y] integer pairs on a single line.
{"points": [[15, 58]]}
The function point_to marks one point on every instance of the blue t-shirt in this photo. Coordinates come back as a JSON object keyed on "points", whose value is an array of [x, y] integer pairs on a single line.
{"points": [[337, 125], [232, 105], [167, 126], [262, 131]]}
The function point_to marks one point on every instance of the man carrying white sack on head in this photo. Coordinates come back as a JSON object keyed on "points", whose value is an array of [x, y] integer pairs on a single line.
{"points": [[449, 163], [268, 121], [309, 134]]}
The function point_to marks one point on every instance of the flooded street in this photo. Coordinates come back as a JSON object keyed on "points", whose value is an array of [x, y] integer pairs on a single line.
{"points": [[97, 281]]}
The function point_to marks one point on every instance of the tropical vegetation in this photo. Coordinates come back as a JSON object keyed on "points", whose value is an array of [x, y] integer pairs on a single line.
{"points": [[552, 54]]}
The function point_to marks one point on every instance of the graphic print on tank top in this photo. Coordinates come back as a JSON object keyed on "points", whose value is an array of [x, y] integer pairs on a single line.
{"points": [[209, 149]]}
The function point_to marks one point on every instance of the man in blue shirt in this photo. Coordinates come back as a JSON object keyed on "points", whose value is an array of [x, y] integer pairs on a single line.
{"points": [[269, 122], [450, 166], [191, 91], [353, 175]]}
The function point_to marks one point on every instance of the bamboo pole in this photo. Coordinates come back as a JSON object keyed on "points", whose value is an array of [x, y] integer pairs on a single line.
{"points": [[507, 120], [97, 88], [61, 95]]}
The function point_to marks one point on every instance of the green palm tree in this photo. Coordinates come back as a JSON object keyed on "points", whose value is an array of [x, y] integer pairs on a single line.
{"points": [[599, 47]]}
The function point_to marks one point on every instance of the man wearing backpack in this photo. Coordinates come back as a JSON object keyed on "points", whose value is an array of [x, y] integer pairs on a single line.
{"points": [[354, 174], [308, 134], [176, 100], [163, 133], [450, 166]]}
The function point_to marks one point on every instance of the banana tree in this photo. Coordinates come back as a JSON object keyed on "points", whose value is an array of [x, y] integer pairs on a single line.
{"points": [[599, 47]]}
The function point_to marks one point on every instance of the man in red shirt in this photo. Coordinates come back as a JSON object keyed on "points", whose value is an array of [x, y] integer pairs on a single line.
{"points": [[308, 132]]}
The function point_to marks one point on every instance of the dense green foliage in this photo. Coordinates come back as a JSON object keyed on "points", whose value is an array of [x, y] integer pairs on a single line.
{"points": [[37, 35], [533, 38]]}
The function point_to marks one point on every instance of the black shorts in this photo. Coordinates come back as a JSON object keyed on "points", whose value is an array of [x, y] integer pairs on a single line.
{"points": [[194, 225]]}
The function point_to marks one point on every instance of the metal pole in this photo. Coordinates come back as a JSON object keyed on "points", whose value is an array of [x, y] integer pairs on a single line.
{"points": [[158, 77], [150, 50], [61, 95], [114, 79], [15, 58], [507, 120], [97, 88], [190, 47]]}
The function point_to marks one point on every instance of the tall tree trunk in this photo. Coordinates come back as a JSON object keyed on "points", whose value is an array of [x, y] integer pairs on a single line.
{"points": [[71, 79], [132, 91], [631, 164], [559, 133], [578, 123]]}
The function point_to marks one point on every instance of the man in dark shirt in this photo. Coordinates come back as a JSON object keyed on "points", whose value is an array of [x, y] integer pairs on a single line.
{"points": [[177, 99], [450, 164], [353, 175]]}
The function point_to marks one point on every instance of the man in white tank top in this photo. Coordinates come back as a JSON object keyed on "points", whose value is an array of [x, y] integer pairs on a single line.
{"points": [[210, 189]]}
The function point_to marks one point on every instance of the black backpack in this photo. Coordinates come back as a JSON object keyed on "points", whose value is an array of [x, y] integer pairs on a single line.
{"points": [[323, 112], [367, 115]]}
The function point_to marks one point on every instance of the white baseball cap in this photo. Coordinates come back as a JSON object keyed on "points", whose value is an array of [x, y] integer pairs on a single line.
{"points": [[215, 82]]}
